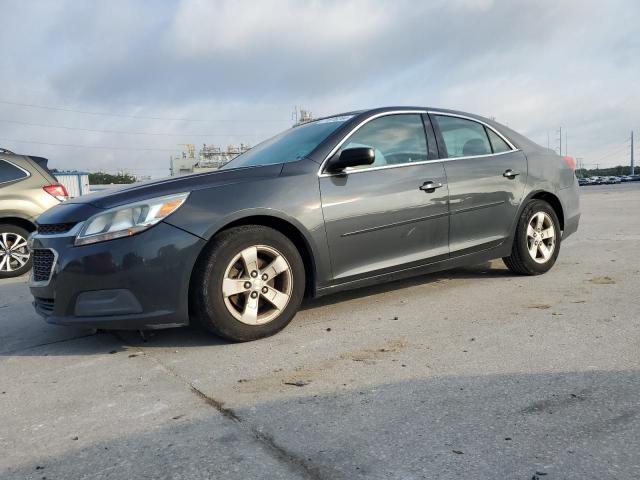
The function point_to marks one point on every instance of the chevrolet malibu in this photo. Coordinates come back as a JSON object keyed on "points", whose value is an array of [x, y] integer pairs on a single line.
{"points": [[334, 204]]}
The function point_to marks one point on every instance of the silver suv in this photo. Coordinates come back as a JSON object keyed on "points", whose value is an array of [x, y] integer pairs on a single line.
{"points": [[27, 188]]}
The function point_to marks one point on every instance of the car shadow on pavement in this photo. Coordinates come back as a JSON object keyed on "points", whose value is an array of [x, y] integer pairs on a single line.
{"points": [[482, 270], [562, 424], [87, 342]]}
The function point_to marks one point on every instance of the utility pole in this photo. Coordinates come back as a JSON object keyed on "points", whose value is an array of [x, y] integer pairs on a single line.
{"points": [[559, 132], [566, 143], [632, 165]]}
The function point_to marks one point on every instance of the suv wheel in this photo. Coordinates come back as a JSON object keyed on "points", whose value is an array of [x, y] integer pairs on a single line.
{"points": [[15, 258], [537, 241], [249, 283]]}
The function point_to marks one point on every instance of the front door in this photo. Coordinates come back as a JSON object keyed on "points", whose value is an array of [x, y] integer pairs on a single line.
{"points": [[384, 216], [486, 178]]}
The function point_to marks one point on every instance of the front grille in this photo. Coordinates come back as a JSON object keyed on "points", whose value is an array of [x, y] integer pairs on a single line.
{"points": [[55, 228], [42, 264], [44, 305]]}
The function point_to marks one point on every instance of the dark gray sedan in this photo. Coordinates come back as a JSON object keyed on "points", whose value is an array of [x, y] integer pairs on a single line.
{"points": [[334, 204]]}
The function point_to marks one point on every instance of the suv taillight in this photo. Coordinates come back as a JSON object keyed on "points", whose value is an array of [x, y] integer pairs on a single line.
{"points": [[57, 191], [571, 162]]}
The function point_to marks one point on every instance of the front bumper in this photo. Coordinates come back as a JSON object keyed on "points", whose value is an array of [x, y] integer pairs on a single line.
{"points": [[137, 282]]}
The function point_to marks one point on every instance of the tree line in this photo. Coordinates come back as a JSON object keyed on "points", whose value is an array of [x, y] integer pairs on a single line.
{"points": [[100, 178]]}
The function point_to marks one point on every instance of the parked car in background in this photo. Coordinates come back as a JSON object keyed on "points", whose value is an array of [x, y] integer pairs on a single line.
{"points": [[333, 204], [625, 178], [584, 181], [27, 189], [635, 178]]}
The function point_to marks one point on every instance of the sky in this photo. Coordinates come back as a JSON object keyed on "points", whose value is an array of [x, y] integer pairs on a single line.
{"points": [[111, 85]]}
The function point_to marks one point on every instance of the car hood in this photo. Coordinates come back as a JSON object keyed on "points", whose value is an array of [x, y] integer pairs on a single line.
{"points": [[80, 208], [116, 196]]}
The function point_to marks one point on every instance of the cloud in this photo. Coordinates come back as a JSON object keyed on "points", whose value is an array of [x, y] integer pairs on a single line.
{"points": [[242, 66], [313, 27]]}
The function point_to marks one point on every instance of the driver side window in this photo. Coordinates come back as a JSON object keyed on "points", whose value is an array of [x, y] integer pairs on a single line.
{"points": [[396, 139]]}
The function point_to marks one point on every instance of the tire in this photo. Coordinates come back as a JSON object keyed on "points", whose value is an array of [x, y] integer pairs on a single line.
{"points": [[226, 267], [521, 260], [13, 248]]}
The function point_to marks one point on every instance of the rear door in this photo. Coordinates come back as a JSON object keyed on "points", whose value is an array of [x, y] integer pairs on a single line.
{"points": [[486, 177], [380, 218]]}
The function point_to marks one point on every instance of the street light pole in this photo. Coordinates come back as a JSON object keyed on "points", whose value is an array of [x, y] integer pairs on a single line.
{"points": [[632, 165], [560, 139]]}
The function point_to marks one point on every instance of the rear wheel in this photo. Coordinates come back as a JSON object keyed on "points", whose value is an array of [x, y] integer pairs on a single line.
{"points": [[537, 242], [15, 258], [249, 283]]}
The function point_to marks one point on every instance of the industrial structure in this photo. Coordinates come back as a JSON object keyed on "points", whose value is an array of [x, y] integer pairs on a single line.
{"points": [[304, 116], [210, 157]]}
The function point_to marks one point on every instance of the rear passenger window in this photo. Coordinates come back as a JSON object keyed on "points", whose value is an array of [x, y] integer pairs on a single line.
{"points": [[462, 137], [497, 143], [9, 172]]}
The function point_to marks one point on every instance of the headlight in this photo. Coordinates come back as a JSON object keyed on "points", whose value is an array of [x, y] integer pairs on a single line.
{"points": [[128, 219]]}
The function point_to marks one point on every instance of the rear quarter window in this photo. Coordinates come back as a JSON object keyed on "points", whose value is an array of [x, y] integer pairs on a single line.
{"points": [[10, 172], [497, 144]]}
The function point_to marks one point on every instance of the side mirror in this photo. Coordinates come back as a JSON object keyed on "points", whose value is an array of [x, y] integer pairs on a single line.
{"points": [[352, 157]]}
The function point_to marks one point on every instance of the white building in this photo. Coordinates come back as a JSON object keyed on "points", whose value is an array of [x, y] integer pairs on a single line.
{"points": [[76, 183], [210, 157]]}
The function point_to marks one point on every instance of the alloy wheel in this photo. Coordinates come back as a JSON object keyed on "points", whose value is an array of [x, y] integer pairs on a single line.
{"points": [[14, 253], [257, 285], [541, 234]]}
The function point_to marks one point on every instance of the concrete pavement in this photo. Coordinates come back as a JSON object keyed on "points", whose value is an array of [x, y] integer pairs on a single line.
{"points": [[474, 373]]}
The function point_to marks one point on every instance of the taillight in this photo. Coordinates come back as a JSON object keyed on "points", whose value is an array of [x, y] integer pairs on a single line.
{"points": [[571, 162], [57, 191]]}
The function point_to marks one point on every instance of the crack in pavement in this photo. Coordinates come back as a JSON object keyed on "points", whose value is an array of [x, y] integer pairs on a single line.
{"points": [[31, 347], [291, 460], [276, 450], [217, 404]]}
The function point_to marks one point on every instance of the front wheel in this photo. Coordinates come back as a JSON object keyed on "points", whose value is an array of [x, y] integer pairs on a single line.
{"points": [[537, 241], [248, 284], [15, 258]]}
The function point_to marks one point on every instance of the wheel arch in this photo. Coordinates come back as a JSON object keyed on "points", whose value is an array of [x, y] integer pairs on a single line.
{"points": [[287, 228], [28, 225], [552, 200], [540, 194]]}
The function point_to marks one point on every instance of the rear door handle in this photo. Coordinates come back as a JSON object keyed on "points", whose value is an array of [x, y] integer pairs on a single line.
{"points": [[430, 186], [510, 174]]}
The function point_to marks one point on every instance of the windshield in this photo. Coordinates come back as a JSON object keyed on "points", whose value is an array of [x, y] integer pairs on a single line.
{"points": [[290, 145]]}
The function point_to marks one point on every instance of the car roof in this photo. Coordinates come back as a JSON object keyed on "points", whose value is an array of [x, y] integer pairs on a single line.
{"points": [[30, 163], [404, 108], [517, 139]]}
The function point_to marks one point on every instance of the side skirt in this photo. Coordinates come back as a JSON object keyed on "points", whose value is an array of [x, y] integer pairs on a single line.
{"points": [[502, 250]]}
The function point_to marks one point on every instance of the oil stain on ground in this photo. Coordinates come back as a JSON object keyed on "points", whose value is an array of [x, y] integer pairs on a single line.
{"points": [[602, 280]]}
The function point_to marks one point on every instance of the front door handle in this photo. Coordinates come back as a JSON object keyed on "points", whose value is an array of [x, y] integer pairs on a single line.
{"points": [[430, 186], [510, 174]]}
